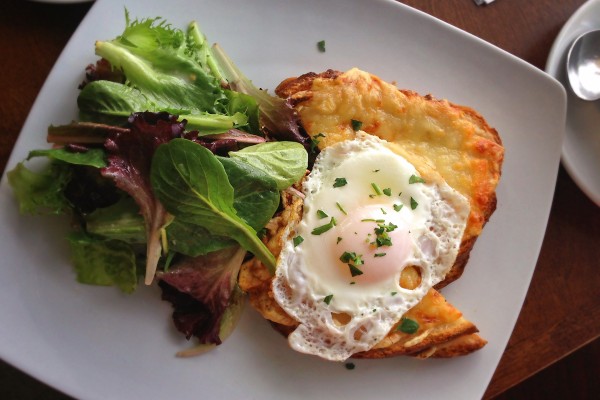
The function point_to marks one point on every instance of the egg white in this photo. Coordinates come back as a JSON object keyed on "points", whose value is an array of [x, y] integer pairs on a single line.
{"points": [[340, 314]]}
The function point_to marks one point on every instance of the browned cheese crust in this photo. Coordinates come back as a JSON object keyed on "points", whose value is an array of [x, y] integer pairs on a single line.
{"points": [[440, 138], [440, 324]]}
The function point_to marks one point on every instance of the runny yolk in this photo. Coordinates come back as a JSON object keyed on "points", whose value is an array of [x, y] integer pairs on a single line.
{"points": [[371, 243]]}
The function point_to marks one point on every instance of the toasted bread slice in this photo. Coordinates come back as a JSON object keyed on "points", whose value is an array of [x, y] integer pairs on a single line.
{"points": [[438, 137], [440, 324]]}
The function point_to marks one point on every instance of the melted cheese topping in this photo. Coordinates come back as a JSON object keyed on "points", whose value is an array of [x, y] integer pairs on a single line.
{"points": [[434, 135]]}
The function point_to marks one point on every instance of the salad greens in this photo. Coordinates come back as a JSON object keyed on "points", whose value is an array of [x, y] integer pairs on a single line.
{"points": [[192, 185], [176, 162]]}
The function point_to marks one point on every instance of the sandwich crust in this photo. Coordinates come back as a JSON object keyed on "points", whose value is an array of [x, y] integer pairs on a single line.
{"points": [[440, 324]]}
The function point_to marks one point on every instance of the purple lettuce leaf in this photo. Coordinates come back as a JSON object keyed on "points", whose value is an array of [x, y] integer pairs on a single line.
{"points": [[200, 290], [129, 160]]}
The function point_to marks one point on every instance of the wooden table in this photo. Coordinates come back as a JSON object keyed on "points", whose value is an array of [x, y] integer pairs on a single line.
{"points": [[562, 310]]}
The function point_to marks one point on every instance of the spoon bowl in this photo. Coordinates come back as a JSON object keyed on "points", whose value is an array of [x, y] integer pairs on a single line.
{"points": [[583, 66]]}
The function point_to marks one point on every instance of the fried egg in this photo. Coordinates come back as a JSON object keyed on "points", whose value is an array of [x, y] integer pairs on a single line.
{"points": [[368, 214]]}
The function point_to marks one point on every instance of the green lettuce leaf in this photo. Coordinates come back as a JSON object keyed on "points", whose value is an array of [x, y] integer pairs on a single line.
{"points": [[92, 157], [120, 221], [104, 263], [40, 192]]}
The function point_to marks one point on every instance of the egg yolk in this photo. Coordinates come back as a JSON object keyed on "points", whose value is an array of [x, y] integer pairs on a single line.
{"points": [[371, 244]]}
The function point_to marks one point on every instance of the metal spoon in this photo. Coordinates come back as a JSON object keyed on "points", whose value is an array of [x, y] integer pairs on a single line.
{"points": [[583, 66]]}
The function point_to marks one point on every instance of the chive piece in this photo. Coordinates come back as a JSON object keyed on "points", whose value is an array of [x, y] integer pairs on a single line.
{"points": [[321, 46], [387, 191], [379, 254], [413, 203], [324, 228], [407, 325], [328, 298], [354, 271], [377, 189], [350, 366], [372, 220], [398, 207], [339, 239], [383, 211], [339, 182], [415, 179], [356, 124], [339, 206], [322, 214], [297, 240]]}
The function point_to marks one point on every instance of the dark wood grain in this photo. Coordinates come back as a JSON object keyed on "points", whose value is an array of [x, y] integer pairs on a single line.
{"points": [[561, 313]]}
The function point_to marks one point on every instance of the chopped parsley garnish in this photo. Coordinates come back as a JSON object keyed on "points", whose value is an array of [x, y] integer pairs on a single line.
{"points": [[377, 189], [387, 191], [407, 325], [353, 260], [339, 206], [398, 207], [379, 254], [356, 125], [321, 46], [383, 239], [348, 257], [387, 228], [297, 240], [415, 179], [339, 239], [322, 214], [413, 203], [375, 170], [394, 293], [350, 366], [339, 182], [328, 298], [324, 228], [314, 141], [383, 211], [354, 271], [353, 283]]}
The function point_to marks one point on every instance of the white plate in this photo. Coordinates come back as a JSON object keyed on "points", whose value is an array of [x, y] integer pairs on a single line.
{"points": [[581, 148], [95, 343]]}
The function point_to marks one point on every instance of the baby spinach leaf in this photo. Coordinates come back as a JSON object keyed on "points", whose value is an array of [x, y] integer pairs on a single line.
{"points": [[256, 199], [286, 162], [256, 195], [193, 186]]}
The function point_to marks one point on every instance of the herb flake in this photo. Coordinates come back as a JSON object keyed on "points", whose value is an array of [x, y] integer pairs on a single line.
{"points": [[408, 325], [297, 240], [321, 46], [415, 179], [356, 124], [339, 182]]}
